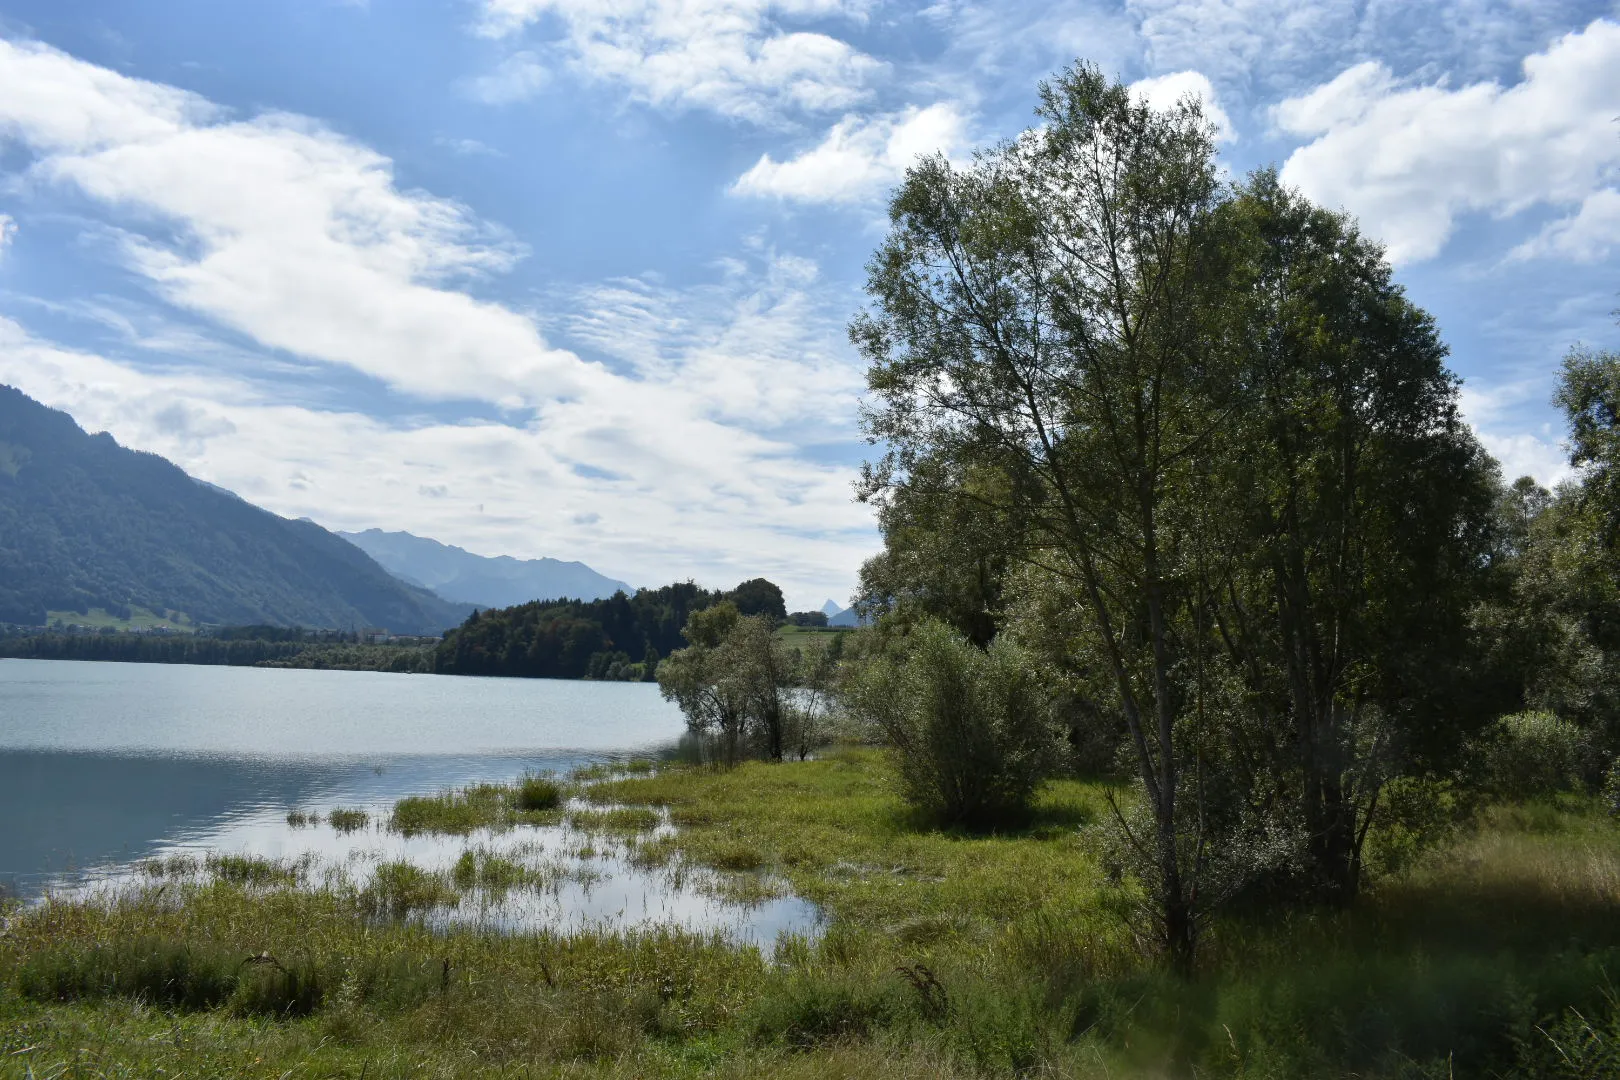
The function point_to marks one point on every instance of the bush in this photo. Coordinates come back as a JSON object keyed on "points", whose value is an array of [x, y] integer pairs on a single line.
{"points": [[970, 730], [1532, 754], [1611, 788]]}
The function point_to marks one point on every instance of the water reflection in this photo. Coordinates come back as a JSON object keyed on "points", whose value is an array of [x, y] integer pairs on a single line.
{"points": [[103, 766]]}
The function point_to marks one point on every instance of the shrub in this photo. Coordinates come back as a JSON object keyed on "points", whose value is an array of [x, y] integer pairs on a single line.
{"points": [[970, 730], [1533, 754]]}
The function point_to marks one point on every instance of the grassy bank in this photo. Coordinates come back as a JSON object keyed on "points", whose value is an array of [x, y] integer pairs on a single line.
{"points": [[942, 955]]}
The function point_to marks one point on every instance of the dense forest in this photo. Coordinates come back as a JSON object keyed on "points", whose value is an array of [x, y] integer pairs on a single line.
{"points": [[621, 637], [251, 646], [86, 523]]}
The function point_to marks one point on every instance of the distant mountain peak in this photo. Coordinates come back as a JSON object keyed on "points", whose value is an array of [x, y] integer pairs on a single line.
{"points": [[490, 581], [831, 607]]}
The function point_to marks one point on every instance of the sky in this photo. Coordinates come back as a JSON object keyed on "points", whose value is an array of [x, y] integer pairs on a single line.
{"points": [[571, 278]]}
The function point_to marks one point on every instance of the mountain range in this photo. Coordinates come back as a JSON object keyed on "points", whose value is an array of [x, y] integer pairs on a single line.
{"points": [[88, 524], [458, 575]]}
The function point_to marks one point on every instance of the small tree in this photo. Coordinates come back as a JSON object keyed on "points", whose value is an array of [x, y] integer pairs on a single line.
{"points": [[732, 680], [968, 728], [695, 679]]}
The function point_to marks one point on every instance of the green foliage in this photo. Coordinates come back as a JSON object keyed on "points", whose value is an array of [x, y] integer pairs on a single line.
{"points": [[731, 680], [1533, 755], [971, 732], [88, 523], [211, 649], [757, 596], [574, 639]]}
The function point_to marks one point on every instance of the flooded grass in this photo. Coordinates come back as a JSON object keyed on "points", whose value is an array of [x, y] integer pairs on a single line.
{"points": [[949, 955], [345, 819], [531, 801], [621, 819]]}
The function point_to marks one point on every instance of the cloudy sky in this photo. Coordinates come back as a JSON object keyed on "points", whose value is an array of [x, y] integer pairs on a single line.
{"points": [[570, 277]]}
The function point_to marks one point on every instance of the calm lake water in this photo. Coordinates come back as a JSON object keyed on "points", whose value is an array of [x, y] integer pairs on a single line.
{"points": [[104, 765]]}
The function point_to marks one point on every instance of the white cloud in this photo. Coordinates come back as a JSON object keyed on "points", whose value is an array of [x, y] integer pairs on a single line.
{"points": [[732, 57], [283, 230], [639, 488], [1408, 160], [685, 460], [517, 78], [728, 344], [859, 158], [1164, 91], [1492, 412], [1586, 236], [8, 229]]}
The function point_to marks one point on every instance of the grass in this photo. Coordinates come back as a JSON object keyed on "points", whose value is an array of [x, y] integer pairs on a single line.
{"points": [[943, 954], [532, 800], [618, 819], [347, 820]]}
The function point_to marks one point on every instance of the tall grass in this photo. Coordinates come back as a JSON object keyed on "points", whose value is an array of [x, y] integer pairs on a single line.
{"points": [[942, 955]]}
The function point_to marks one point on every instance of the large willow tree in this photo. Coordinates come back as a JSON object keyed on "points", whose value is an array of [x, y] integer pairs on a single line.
{"points": [[1226, 443]]}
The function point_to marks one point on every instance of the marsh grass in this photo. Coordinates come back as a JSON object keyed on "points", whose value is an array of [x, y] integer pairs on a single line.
{"points": [[346, 820], [619, 819], [493, 874], [298, 819], [943, 954], [532, 800], [400, 889]]}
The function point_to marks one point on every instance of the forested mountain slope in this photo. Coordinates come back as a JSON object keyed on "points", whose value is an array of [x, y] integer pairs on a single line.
{"points": [[86, 523], [488, 581]]}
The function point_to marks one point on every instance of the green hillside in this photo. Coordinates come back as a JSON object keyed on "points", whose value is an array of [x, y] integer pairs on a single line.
{"points": [[87, 525]]}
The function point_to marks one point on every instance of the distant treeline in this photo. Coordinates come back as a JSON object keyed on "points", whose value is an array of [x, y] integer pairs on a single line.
{"points": [[228, 647], [150, 648], [621, 637]]}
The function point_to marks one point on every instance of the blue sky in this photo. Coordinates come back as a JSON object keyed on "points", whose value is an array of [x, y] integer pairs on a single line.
{"points": [[571, 277]]}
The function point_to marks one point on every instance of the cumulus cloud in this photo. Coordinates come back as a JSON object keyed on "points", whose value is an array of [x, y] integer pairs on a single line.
{"points": [[1409, 160], [737, 58], [1164, 91], [859, 158]]}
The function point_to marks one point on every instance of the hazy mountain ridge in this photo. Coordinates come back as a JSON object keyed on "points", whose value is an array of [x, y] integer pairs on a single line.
{"points": [[499, 581], [85, 522]]}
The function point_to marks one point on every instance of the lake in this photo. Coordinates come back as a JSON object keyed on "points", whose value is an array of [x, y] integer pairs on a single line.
{"points": [[104, 766]]}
